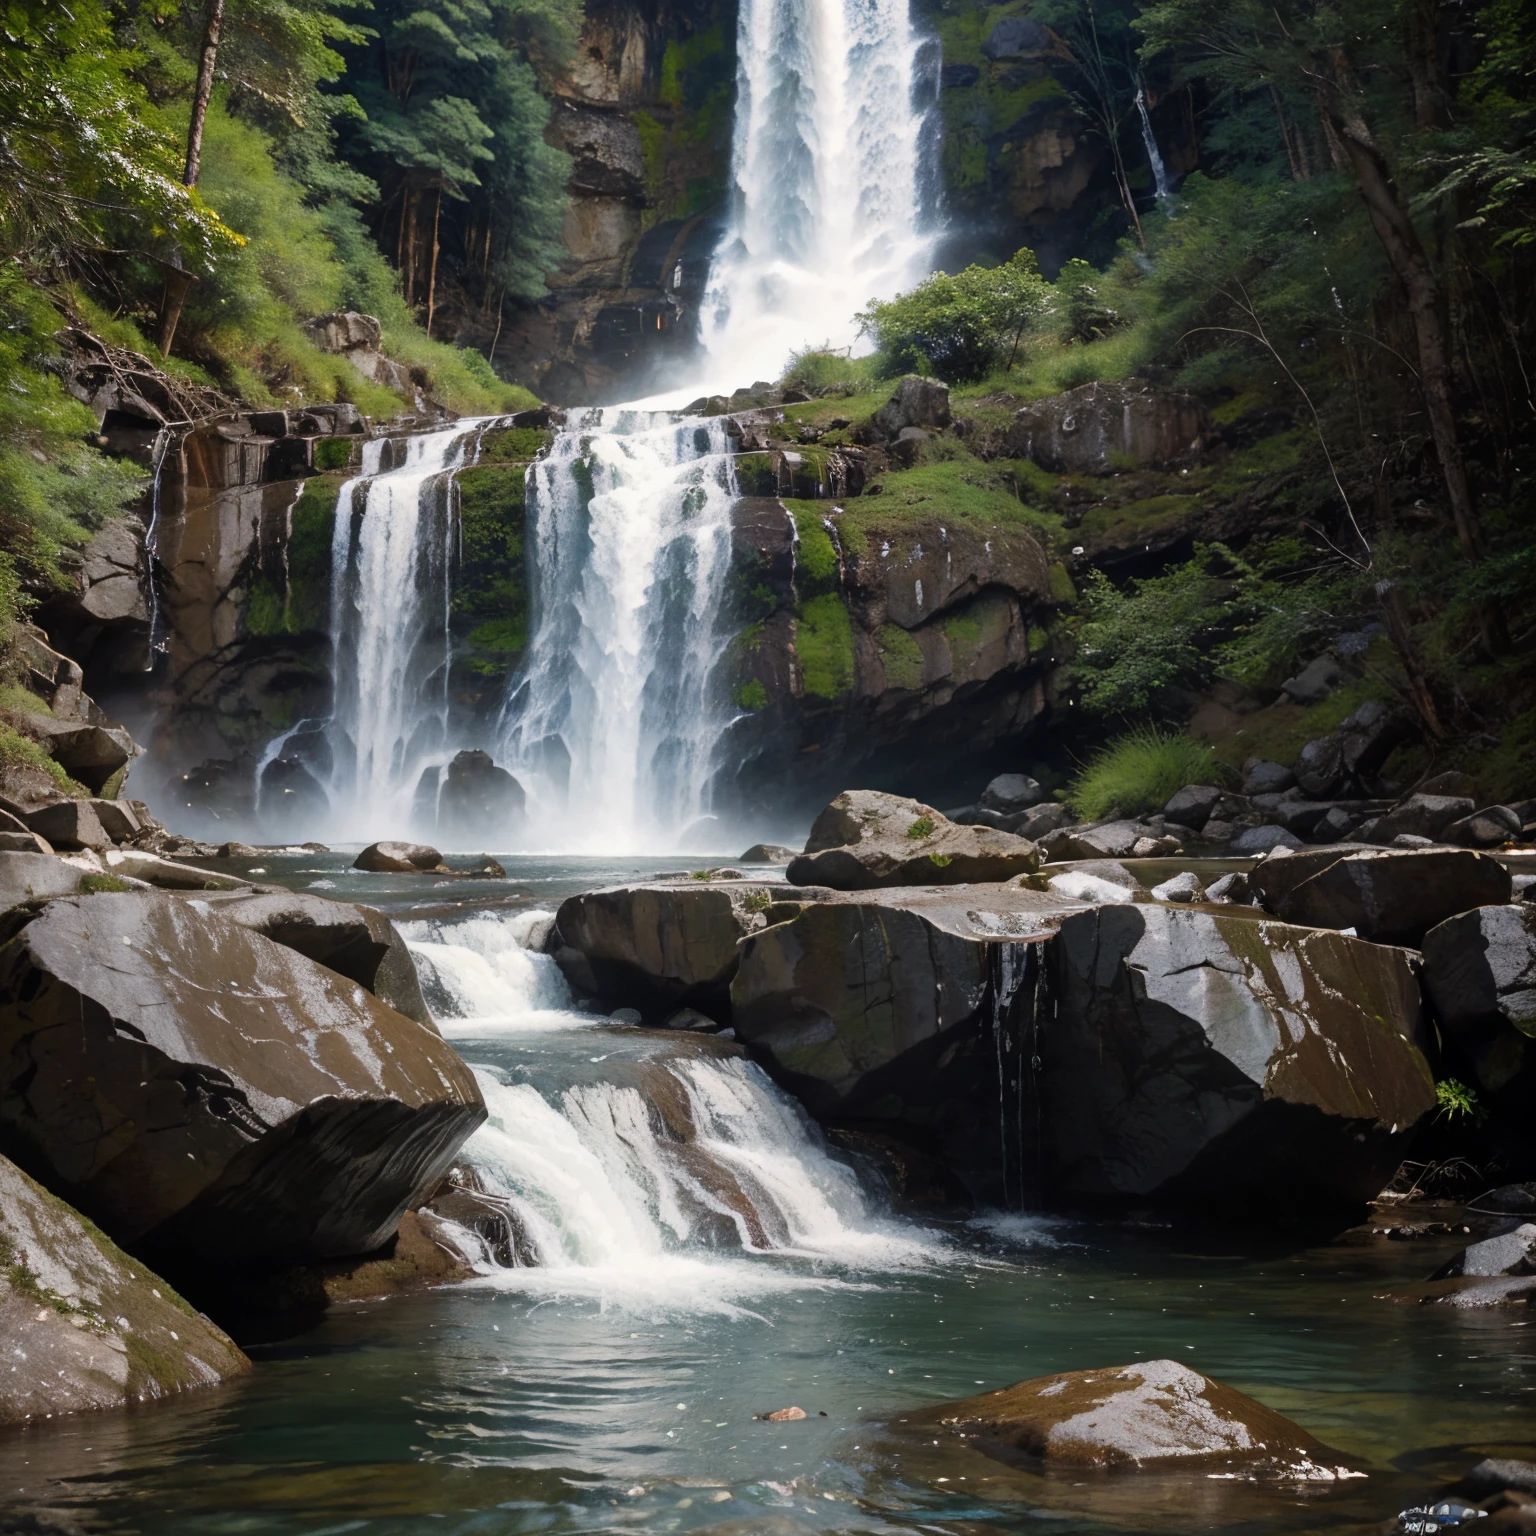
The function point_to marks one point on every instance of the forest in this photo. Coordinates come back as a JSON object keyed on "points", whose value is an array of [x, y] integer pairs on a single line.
{"points": [[1338, 258]]}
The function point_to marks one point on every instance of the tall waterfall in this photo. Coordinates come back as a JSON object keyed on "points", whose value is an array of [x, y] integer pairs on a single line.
{"points": [[612, 725], [830, 206], [391, 557]]}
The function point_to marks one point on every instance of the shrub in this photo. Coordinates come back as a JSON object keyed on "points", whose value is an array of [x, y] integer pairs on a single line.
{"points": [[1138, 772], [821, 371]]}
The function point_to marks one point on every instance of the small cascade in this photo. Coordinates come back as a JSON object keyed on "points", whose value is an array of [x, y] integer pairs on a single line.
{"points": [[633, 1163], [829, 204], [391, 559], [1154, 155], [612, 725]]}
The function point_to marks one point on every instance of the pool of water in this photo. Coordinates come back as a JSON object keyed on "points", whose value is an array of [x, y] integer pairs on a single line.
{"points": [[616, 1387]]}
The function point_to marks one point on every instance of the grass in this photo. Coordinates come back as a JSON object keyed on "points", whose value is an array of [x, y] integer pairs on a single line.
{"points": [[824, 645], [818, 369], [1139, 772], [18, 751]]}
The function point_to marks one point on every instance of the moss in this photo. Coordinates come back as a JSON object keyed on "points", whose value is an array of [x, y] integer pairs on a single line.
{"points": [[756, 474], [18, 751], [1139, 522], [94, 884], [513, 445], [751, 695], [333, 453], [901, 656], [685, 144], [922, 827], [490, 596], [963, 631], [816, 562], [1278, 733], [1037, 640], [824, 644], [291, 594], [1062, 590]]}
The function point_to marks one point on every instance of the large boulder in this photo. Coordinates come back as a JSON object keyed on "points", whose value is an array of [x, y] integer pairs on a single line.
{"points": [[477, 802], [1156, 1413], [399, 859], [357, 942], [866, 840], [917, 402], [1420, 816], [26, 875], [68, 824], [881, 1009], [1010, 793], [1099, 427], [1490, 827], [1227, 1064], [667, 944], [203, 1092], [1391, 897], [85, 1326], [1107, 840], [1480, 969]]}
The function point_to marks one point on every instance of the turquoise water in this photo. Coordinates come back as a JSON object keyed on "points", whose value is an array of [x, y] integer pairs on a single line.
{"points": [[621, 1396]]}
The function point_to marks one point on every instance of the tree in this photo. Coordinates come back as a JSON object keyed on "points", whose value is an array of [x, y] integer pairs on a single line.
{"points": [[960, 326]]}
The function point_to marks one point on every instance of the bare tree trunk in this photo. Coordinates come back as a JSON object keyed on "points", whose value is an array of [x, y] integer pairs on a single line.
{"points": [[213, 23], [1405, 252], [1402, 642], [437, 218], [1429, 94]]}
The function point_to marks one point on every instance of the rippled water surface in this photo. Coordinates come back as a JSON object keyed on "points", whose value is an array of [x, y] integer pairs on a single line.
{"points": [[615, 1387]]}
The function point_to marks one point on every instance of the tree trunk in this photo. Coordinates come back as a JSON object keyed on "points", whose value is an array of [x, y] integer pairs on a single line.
{"points": [[1401, 637], [437, 218], [213, 22], [1405, 252], [1429, 94]]}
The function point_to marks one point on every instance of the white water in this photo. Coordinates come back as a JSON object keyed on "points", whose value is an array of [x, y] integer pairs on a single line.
{"points": [[1154, 155], [612, 725], [828, 200], [390, 571], [674, 1178]]}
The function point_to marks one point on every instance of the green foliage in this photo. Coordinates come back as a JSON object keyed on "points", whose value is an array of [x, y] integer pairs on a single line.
{"points": [[751, 695], [1456, 1101], [1081, 308], [333, 453], [901, 656], [922, 827], [820, 371], [816, 562], [824, 645], [960, 326], [18, 751], [1138, 772], [490, 592], [93, 884]]}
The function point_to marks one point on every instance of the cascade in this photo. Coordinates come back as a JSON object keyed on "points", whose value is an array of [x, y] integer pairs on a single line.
{"points": [[1154, 155], [391, 557], [629, 1158], [611, 726]]}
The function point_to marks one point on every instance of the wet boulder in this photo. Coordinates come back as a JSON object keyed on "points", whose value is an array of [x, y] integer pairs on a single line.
{"points": [[880, 1009], [1010, 793], [399, 859], [477, 799], [1490, 827], [1218, 1062], [866, 840], [69, 824], [1391, 897], [357, 942], [1420, 816], [665, 944], [1511, 1252], [1193, 805], [768, 853], [1154, 1414], [200, 1091], [27, 874], [1108, 840], [85, 1326]]}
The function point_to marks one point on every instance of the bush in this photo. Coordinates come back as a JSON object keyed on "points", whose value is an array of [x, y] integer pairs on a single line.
{"points": [[1137, 773], [961, 326], [820, 371]]}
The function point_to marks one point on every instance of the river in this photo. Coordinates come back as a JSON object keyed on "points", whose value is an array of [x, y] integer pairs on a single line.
{"points": [[614, 1385]]}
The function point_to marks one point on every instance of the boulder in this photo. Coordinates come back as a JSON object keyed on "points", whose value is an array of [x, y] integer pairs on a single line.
{"points": [[1351, 755], [1315, 681], [89, 753], [478, 800], [768, 853], [27, 874], [1009, 793], [1219, 1062], [1157, 1413], [1186, 887], [1258, 840], [1391, 897], [1487, 828], [1512, 1252], [1106, 840], [118, 819], [84, 1325], [1041, 819], [399, 859], [357, 942], [1262, 778], [866, 840], [880, 1009], [24, 842], [204, 1093], [667, 943], [1231, 887], [167, 875], [1421, 816], [917, 402], [345, 331], [1192, 806], [69, 824], [1480, 969], [1016, 35], [1096, 428], [1452, 782]]}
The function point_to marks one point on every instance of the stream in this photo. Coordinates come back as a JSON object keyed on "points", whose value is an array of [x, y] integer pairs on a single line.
{"points": [[686, 1285]]}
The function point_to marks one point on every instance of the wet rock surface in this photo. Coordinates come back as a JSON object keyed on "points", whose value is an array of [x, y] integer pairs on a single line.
{"points": [[1208, 1058], [399, 859], [865, 840], [1088, 430], [86, 1326], [1145, 1415], [1480, 968], [284, 1112]]}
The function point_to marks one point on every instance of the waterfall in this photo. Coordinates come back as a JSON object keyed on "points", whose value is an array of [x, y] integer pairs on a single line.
{"points": [[1159, 173], [828, 205], [612, 725], [391, 555], [640, 1167]]}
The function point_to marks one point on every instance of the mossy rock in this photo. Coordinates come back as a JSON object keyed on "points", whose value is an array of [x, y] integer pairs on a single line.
{"points": [[489, 612], [513, 445], [824, 645], [290, 594]]}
